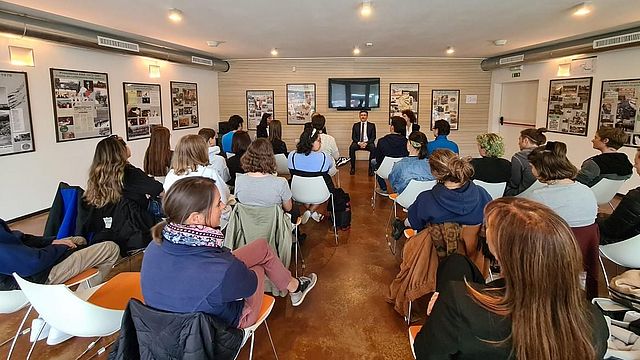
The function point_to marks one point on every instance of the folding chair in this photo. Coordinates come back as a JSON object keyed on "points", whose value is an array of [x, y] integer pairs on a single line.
{"points": [[313, 190], [605, 190], [383, 171], [496, 190]]}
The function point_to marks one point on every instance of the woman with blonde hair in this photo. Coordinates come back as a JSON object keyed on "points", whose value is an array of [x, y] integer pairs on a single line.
{"points": [[490, 167], [536, 311], [455, 198], [157, 158], [191, 158]]}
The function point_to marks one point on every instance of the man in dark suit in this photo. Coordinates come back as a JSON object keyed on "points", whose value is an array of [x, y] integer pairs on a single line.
{"points": [[363, 135]]}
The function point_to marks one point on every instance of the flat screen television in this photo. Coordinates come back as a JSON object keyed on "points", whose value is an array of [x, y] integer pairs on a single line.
{"points": [[354, 94]]}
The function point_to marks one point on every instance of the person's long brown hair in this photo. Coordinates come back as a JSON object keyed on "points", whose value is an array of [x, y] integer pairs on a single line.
{"points": [[551, 162], [106, 174], [157, 158], [190, 152], [541, 264], [448, 166], [259, 157], [275, 130]]}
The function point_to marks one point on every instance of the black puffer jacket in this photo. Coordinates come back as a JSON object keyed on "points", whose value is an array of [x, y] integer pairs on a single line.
{"points": [[152, 334], [624, 223]]}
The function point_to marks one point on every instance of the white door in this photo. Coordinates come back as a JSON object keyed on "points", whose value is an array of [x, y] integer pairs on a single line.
{"points": [[518, 111]]}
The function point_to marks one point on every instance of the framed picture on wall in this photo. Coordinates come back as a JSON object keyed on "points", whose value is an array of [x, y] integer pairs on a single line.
{"points": [[568, 106], [184, 105], [143, 109], [16, 125], [258, 103], [445, 105], [403, 96], [301, 103], [81, 104], [619, 108]]}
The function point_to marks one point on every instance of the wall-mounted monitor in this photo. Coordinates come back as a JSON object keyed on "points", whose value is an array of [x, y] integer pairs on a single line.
{"points": [[354, 94]]}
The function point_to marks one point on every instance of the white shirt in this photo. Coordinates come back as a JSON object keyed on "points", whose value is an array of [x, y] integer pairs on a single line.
{"points": [[218, 163], [329, 146], [575, 203], [204, 171], [363, 131]]}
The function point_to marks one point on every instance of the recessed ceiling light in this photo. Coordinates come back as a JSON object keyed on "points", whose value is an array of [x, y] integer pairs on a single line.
{"points": [[450, 50], [500, 42], [583, 9], [365, 8], [175, 15], [369, 44], [274, 52], [356, 51]]}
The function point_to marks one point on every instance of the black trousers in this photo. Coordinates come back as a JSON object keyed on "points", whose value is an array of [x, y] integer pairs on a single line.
{"points": [[352, 153], [456, 267]]}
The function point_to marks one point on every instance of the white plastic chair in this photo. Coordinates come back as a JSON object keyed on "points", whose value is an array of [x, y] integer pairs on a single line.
{"points": [[282, 164], [605, 190], [267, 305], [65, 311], [624, 253], [536, 185], [383, 171], [496, 190], [405, 199], [313, 190]]}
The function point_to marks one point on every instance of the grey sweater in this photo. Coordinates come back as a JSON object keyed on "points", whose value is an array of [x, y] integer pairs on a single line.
{"points": [[521, 176]]}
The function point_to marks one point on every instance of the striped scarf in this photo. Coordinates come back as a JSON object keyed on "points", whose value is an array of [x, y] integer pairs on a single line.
{"points": [[193, 235]]}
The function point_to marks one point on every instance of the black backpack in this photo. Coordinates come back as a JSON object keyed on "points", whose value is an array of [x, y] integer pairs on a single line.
{"points": [[342, 208]]}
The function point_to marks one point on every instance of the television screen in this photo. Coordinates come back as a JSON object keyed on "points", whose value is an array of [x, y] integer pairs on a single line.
{"points": [[354, 94]]}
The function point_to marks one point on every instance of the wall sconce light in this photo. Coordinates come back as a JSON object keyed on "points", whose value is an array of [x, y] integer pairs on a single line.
{"points": [[154, 71], [564, 70], [21, 56]]}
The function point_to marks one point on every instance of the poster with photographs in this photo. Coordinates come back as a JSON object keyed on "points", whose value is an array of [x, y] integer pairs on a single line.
{"points": [[403, 96], [568, 110], [16, 128], [258, 103], [445, 105], [619, 108], [301, 103], [81, 104], [184, 105], [143, 107]]}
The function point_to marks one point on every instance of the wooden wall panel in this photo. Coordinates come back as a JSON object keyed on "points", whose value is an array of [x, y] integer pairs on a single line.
{"points": [[463, 74]]}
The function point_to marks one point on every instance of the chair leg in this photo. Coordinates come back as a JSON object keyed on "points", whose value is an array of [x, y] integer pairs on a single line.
{"points": [[253, 335], [604, 271], [35, 342], [15, 338], [333, 217], [408, 317], [271, 340], [373, 196], [297, 245]]}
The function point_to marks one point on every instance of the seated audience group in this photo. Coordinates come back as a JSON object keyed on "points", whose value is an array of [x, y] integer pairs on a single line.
{"points": [[544, 239]]}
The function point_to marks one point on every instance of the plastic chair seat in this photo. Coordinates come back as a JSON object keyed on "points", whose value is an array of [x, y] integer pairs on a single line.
{"points": [[409, 232], [393, 196], [265, 309], [83, 276], [115, 293], [413, 332]]}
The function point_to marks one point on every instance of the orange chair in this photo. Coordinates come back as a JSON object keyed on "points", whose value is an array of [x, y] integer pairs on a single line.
{"points": [[413, 332], [267, 305]]}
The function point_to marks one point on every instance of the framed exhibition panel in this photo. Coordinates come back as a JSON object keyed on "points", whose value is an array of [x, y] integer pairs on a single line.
{"points": [[16, 125], [404, 96], [301, 103], [445, 105], [184, 105], [568, 106], [143, 109], [258, 103], [80, 104], [619, 108]]}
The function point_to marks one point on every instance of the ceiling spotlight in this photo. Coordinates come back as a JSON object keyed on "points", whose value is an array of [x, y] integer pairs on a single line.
{"points": [[274, 52], [356, 51], [365, 8], [500, 42], [583, 9], [175, 15], [450, 50]]}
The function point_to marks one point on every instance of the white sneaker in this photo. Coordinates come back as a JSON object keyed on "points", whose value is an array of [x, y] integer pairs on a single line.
{"points": [[305, 217], [317, 216]]}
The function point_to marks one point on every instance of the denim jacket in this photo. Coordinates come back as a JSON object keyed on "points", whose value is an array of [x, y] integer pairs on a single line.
{"points": [[409, 168]]}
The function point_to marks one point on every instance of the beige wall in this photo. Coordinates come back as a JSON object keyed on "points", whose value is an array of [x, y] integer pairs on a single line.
{"points": [[274, 74]]}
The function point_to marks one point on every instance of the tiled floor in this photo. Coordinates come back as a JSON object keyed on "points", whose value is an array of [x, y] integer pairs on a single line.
{"points": [[345, 317]]}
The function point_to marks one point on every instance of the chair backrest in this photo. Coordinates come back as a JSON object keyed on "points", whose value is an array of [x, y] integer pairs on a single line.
{"points": [[496, 190], [624, 253], [309, 190], [536, 185], [385, 168], [282, 164], [66, 312], [411, 192], [12, 301], [606, 189]]}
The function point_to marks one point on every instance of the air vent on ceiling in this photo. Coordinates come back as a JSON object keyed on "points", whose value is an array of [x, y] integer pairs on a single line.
{"points": [[512, 59], [617, 40], [118, 44], [201, 61]]}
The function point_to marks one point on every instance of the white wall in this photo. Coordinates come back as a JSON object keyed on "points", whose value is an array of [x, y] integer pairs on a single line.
{"points": [[29, 180], [613, 65]]}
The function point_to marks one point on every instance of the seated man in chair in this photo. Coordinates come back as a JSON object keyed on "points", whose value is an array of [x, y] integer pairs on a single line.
{"points": [[45, 260], [363, 135]]}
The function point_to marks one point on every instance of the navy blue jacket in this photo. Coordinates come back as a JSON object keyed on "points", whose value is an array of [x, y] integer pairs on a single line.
{"points": [[464, 206], [30, 256], [186, 279], [391, 145]]}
